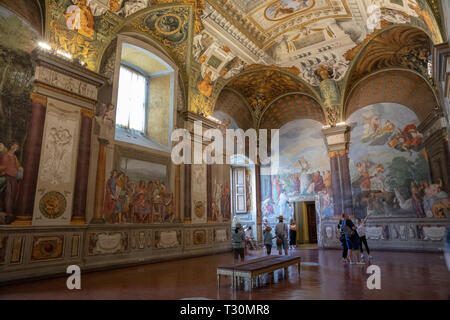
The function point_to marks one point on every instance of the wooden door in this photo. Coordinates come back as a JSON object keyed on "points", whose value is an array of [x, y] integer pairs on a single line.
{"points": [[312, 229]]}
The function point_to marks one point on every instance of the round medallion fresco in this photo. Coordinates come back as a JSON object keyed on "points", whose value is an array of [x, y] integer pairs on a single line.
{"points": [[53, 204], [199, 209], [168, 24]]}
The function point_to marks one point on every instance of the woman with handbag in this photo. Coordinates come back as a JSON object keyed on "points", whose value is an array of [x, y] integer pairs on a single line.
{"points": [[352, 239]]}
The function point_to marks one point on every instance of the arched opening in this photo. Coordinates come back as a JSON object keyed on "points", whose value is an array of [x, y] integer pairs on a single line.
{"points": [[144, 91]]}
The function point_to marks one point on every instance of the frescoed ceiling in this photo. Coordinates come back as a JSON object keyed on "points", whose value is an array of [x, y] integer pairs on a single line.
{"points": [[261, 49]]}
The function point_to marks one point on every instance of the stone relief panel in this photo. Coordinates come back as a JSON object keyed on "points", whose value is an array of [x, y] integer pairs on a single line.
{"points": [[107, 243], [56, 181], [47, 248], [168, 239]]}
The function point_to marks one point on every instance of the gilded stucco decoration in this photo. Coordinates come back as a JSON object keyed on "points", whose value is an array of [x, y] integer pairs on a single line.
{"points": [[84, 28], [403, 47], [170, 27], [198, 6]]}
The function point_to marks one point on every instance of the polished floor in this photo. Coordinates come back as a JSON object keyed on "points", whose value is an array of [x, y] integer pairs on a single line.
{"points": [[323, 276]]}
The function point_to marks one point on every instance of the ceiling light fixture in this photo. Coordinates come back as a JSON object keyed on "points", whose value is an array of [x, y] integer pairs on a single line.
{"points": [[44, 46]]}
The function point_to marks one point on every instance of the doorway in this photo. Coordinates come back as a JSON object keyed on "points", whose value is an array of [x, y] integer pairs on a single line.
{"points": [[305, 216], [311, 222]]}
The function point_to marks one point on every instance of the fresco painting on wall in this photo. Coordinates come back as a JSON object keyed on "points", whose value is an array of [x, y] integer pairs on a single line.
{"points": [[221, 201], [17, 40], [137, 193], [302, 175], [388, 165]]}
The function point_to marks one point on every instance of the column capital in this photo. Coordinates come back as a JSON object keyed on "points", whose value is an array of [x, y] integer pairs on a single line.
{"points": [[337, 139], [38, 98], [103, 141], [87, 113]]}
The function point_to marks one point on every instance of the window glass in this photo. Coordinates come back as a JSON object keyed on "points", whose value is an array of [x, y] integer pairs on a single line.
{"points": [[131, 100]]}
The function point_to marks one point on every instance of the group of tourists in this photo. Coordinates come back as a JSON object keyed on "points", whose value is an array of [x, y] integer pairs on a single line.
{"points": [[352, 238], [285, 236]]}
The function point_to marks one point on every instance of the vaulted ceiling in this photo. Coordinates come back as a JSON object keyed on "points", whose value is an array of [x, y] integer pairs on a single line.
{"points": [[267, 52]]}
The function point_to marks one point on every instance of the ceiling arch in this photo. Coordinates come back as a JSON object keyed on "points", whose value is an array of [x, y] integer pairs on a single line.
{"points": [[397, 86], [405, 47], [261, 85], [31, 11], [233, 104], [291, 107]]}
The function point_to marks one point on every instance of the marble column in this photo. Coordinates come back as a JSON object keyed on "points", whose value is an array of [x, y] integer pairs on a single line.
{"points": [[187, 194], [177, 192], [258, 202], [100, 182], [337, 140], [82, 175], [209, 188], [31, 158], [346, 183], [336, 184]]}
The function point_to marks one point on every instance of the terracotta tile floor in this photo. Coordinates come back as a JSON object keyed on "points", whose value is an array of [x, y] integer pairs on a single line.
{"points": [[323, 276]]}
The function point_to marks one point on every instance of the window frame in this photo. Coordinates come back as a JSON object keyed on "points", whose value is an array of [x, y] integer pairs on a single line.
{"points": [[147, 77], [235, 190]]}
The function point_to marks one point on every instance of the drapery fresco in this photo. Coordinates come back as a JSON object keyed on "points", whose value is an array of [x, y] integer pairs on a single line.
{"points": [[388, 165], [17, 39], [303, 172]]}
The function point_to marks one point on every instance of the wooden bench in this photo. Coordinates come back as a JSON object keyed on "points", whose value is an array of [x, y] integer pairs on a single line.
{"points": [[256, 267]]}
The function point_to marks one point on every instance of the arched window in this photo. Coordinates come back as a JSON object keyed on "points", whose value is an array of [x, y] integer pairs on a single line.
{"points": [[145, 88]]}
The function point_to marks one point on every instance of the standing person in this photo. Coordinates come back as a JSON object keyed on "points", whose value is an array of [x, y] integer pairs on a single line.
{"points": [[10, 172], [361, 229], [238, 239], [340, 230], [292, 234], [281, 231], [268, 238], [352, 239]]}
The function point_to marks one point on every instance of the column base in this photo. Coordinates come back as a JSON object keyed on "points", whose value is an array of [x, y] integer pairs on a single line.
{"points": [[98, 221], [187, 220], [22, 221], [77, 220]]}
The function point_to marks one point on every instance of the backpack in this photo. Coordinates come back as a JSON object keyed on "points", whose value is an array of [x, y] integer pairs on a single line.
{"points": [[349, 232]]}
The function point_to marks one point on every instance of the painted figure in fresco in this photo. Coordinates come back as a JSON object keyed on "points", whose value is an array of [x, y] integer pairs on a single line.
{"points": [[417, 200], [435, 200], [133, 6], [167, 214], [327, 181], [110, 196], [225, 203], [364, 176], [282, 8], [318, 182], [276, 189], [10, 174], [79, 17], [296, 181], [267, 208], [107, 116], [205, 85], [406, 139]]}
